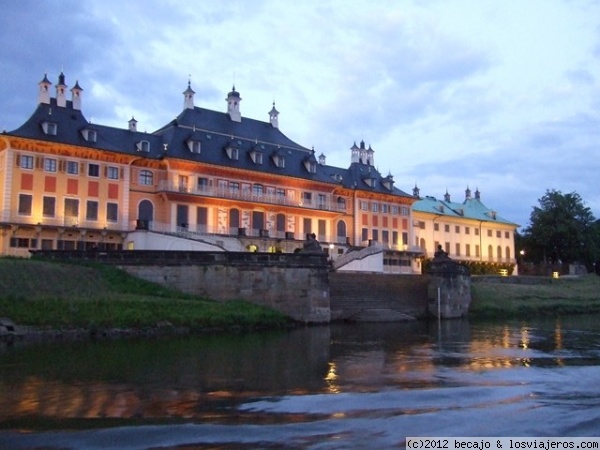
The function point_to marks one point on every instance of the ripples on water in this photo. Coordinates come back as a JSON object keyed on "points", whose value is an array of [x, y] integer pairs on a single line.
{"points": [[359, 386]]}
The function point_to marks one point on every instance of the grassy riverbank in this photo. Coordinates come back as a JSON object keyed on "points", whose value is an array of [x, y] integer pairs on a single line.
{"points": [[55, 295], [566, 295]]}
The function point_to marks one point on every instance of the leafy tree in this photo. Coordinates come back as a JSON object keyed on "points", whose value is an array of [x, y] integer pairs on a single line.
{"points": [[561, 230]]}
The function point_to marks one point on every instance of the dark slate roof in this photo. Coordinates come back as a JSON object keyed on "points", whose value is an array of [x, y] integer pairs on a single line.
{"points": [[215, 131], [471, 208], [70, 123]]}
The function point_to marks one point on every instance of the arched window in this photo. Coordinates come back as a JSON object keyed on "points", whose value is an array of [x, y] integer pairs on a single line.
{"points": [[145, 215], [146, 178], [490, 253], [423, 245], [499, 253], [507, 253]]}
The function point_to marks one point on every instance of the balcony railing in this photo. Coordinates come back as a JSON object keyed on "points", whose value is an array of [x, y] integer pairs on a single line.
{"points": [[65, 222], [327, 202]]}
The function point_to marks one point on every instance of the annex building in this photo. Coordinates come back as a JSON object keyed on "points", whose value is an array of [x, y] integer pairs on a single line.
{"points": [[218, 181]]}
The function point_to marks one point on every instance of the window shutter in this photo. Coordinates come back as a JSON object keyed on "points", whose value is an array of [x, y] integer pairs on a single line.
{"points": [[105, 171], [39, 162], [61, 165], [82, 169], [18, 159]]}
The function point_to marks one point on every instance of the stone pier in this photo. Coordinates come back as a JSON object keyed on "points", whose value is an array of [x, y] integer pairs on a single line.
{"points": [[449, 289]]}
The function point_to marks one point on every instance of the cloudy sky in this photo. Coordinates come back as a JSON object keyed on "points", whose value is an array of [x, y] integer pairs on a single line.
{"points": [[499, 95]]}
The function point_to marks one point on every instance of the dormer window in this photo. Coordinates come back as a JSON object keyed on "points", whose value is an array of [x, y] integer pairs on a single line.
{"points": [[311, 166], [233, 153], [50, 128], [372, 182], [89, 135], [194, 146], [279, 161], [257, 157], [232, 150], [143, 146]]}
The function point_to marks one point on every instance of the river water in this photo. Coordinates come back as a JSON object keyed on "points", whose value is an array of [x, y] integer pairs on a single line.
{"points": [[331, 387]]}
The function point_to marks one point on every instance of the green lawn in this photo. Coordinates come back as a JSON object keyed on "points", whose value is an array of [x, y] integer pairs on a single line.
{"points": [[59, 295], [563, 296]]}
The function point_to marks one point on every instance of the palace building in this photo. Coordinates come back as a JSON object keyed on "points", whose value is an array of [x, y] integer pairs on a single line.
{"points": [[216, 181]]}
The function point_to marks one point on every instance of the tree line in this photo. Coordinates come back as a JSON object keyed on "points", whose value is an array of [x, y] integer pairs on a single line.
{"points": [[562, 230]]}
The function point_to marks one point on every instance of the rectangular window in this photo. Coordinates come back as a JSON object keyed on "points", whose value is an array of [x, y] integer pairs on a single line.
{"points": [[489, 233], [72, 167], [322, 229], [50, 164], [394, 210], [91, 210], [395, 238], [436, 227], [457, 249], [385, 208], [364, 206], [467, 230], [234, 187], [322, 201], [375, 207], [71, 209], [476, 231], [280, 193], [507, 234], [447, 247], [49, 206], [468, 249], [25, 202], [203, 184], [26, 162], [447, 228], [257, 190], [202, 219], [477, 251], [182, 182], [93, 170], [307, 198], [112, 173], [404, 210], [365, 234], [376, 235], [498, 233], [222, 185], [404, 238], [112, 212], [385, 236], [421, 225], [307, 224], [457, 229]]}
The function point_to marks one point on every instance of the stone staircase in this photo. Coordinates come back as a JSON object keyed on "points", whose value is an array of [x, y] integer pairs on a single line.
{"points": [[354, 255], [364, 297]]}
